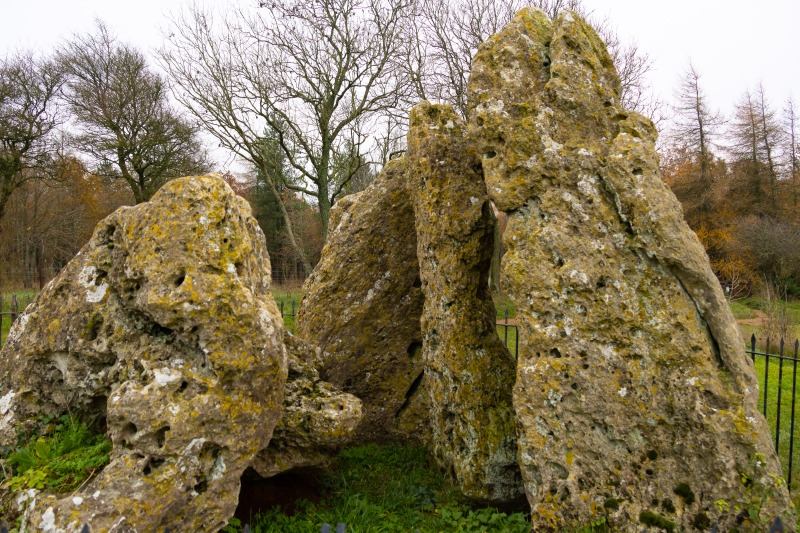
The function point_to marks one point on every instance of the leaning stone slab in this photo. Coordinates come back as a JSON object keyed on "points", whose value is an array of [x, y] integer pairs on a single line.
{"points": [[362, 306], [317, 419], [634, 398], [164, 326], [469, 372]]}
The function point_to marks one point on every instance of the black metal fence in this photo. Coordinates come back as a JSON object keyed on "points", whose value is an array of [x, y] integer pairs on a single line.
{"points": [[15, 307], [776, 366], [288, 312], [510, 334]]}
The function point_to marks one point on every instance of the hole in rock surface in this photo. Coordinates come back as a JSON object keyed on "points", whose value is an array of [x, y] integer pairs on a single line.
{"points": [[284, 490], [161, 436], [414, 348]]}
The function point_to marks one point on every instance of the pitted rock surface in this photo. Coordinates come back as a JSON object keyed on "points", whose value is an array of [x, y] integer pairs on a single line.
{"points": [[362, 306], [317, 419], [634, 397], [468, 370], [164, 324]]}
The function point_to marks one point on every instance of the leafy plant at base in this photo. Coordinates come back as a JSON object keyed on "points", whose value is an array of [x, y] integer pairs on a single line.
{"points": [[60, 461]]}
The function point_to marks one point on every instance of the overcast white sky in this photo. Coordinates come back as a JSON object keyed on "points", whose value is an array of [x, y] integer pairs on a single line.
{"points": [[733, 44]]}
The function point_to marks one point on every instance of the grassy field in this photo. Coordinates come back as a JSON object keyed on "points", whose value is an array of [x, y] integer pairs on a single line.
{"points": [[23, 298], [779, 378], [375, 489], [288, 300]]}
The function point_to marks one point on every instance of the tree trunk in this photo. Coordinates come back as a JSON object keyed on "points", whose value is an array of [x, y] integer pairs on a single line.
{"points": [[289, 231]]}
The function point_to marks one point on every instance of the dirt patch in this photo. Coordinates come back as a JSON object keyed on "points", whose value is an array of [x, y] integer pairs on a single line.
{"points": [[759, 321]]}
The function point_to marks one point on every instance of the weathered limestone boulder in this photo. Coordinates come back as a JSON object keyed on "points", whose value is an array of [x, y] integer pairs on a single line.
{"points": [[317, 419], [634, 398], [362, 306], [164, 325], [469, 372]]}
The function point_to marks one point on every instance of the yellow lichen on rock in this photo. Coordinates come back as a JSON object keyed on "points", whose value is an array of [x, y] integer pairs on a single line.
{"points": [[469, 372], [362, 306], [166, 328], [631, 379], [317, 420]]}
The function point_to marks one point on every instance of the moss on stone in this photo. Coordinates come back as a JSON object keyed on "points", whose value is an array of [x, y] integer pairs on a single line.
{"points": [[684, 491], [612, 504], [650, 518]]}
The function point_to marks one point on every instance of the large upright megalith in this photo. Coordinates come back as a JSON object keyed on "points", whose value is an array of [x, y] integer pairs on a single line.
{"points": [[468, 370], [634, 398], [164, 326], [362, 306]]}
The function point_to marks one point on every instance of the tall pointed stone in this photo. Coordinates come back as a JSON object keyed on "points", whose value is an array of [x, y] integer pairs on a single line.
{"points": [[362, 306], [634, 398], [469, 372]]}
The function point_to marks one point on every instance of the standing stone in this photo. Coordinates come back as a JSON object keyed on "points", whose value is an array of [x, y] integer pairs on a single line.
{"points": [[469, 372], [362, 306], [164, 326], [634, 397]]}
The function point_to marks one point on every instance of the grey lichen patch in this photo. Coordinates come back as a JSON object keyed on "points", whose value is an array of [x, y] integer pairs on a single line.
{"points": [[362, 307], [150, 328], [614, 295], [469, 372]]}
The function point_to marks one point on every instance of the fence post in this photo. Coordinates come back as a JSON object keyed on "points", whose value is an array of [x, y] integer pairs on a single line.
{"points": [[505, 330], [791, 425], [14, 308], [778, 411], [766, 377]]}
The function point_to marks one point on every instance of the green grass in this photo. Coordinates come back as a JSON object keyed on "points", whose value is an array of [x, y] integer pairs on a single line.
{"points": [[23, 297], [781, 380], [755, 303], [509, 336], [742, 311], [60, 455], [287, 297], [375, 489], [503, 303]]}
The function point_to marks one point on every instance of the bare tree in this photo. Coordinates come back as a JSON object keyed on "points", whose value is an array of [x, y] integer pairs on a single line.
{"points": [[753, 135], [770, 132], [319, 74], [694, 130], [122, 110], [29, 87], [442, 39], [791, 155], [444, 35]]}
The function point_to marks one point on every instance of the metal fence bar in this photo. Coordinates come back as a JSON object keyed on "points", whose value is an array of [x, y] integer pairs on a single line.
{"points": [[505, 330], [791, 424], [782, 357], [778, 410], [766, 377]]}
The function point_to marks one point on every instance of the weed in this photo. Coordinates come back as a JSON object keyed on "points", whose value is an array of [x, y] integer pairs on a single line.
{"points": [[60, 461]]}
